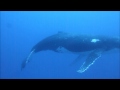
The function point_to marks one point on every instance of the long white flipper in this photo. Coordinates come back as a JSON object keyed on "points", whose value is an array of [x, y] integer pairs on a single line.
{"points": [[90, 60], [77, 60], [26, 60]]}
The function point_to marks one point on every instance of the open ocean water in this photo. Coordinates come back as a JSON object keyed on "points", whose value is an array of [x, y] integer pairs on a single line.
{"points": [[21, 30]]}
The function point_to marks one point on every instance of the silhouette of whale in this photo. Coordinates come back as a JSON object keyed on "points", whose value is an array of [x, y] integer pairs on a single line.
{"points": [[63, 41]]}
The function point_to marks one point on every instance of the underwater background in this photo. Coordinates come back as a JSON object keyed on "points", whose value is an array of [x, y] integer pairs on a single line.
{"points": [[21, 30]]}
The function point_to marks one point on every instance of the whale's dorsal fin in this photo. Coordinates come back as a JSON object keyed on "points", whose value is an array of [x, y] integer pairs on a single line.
{"points": [[93, 56]]}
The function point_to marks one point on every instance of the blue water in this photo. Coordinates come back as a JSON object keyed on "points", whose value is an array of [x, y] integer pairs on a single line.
{"points": [[21, 30]]}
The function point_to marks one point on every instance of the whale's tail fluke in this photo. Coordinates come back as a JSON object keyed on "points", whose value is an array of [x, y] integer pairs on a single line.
{"points": [[26, 60]]}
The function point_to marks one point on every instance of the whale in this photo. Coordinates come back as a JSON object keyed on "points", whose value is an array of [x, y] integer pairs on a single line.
{"points": [[62, 42]]}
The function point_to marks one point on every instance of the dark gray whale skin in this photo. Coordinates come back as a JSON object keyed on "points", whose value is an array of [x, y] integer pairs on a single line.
{"points": [[76, 43]]}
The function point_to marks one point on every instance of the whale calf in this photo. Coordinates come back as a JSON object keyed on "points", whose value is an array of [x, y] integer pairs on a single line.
{"points": [[63, 41]]}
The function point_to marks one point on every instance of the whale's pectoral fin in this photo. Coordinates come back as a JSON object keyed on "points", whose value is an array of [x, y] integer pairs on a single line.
{"points": [[24, 63], [26, 60], [77, 59], [90, 60]]}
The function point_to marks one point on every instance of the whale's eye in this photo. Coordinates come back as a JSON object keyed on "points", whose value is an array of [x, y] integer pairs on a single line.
{"points": [[95, 40]]}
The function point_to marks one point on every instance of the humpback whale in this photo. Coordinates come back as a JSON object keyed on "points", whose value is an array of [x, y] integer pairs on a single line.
{"points": [[62, 41]]}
